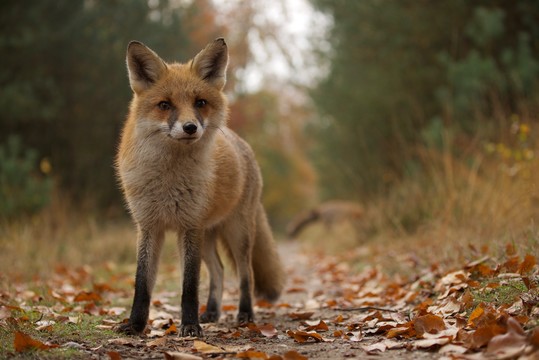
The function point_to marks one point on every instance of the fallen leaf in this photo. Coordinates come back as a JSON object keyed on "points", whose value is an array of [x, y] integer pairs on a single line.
{"points": [[303, 336], [205, 348], [428, 343], [87, 296], [293, 355], [174, 355], [428, 324], [476, 314], [268, 330], [122, 341], [527, 264], [508, 345], [374, 348], [252, 355], [300, 315], [23, 342], [171, 330], [114, 355], [452, 349], [157, 342], [318, 325]]}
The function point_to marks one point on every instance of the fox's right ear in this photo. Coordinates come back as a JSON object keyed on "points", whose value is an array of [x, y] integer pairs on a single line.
{"points": [[144, 66]]}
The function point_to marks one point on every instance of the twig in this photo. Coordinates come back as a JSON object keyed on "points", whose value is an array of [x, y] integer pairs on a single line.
{"points": [[366, 308]]}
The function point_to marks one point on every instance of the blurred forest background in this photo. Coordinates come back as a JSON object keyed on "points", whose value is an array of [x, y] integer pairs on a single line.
{"points": [[425, 112]]}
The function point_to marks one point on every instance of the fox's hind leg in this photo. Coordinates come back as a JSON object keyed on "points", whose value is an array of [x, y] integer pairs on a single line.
{"points": [[215, 268], [239, 236]]}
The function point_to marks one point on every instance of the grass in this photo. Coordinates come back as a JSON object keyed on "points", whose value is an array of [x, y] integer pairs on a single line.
{"points": [[503, 293]]}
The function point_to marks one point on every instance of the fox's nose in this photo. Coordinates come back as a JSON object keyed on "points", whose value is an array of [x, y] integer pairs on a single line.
{"points": [[190, 128]]}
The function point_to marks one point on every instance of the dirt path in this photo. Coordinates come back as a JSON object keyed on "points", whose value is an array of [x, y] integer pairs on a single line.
{"points": [[327, 311], [306, 321]]}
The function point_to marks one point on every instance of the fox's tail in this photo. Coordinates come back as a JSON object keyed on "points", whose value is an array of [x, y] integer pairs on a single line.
{"points": [[267, 267]]}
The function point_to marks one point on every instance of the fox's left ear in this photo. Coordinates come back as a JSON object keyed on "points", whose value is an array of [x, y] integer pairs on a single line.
{"points": [[210, 64], [144, 66]]}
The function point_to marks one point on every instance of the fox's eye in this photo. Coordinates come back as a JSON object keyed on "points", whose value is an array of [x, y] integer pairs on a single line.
{"points": [[200, 103], [164, 105]]}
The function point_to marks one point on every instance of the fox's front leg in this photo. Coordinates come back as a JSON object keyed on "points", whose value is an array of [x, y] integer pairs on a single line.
{"points": [[149, 247], [191, 274]]}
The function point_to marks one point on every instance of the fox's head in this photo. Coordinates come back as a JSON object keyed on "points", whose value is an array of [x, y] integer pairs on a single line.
{"points": [[182, 102]]}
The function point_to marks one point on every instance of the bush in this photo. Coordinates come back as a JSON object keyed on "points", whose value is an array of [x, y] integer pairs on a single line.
{"points": [[23, 191]]}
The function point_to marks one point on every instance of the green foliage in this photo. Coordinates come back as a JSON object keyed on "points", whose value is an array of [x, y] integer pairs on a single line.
{"points": [[63, 82], [403, 73], [22, 190]]}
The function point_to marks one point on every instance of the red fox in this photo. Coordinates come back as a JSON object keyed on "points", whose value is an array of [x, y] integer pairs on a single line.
{"points": [[182, 169]]}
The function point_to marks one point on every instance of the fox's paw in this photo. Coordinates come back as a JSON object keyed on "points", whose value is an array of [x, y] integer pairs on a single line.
{"points": [[245, 317], [191, 330], [130, 329], [209, 316]]}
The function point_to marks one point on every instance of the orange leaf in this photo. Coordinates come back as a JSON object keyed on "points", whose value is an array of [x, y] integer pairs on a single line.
{"points": [[229, 307], [172, 329], [303, 336], [429, 323], [511, 264], [293, 355], [114, 355], [268, 330], [24, 342], [252, 355], [87, 296], [527, 264], [511, 344], [301, 315], [317, 326], [476, 314]]}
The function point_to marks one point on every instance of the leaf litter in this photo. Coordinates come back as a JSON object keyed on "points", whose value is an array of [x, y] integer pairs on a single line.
{"points": [[488, 309]]}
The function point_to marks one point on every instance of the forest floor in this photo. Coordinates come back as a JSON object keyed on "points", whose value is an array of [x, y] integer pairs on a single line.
{"points": [[344, 305]]}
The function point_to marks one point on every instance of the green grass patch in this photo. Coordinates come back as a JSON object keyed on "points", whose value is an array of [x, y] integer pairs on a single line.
{"points": [[499, 293]]}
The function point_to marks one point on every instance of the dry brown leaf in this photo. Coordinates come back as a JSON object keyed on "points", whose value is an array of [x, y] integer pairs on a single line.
{"points": [[250, 354], [175, 355], [87, 296], [428, 343], [122, 341], [268, 330], [23, 342], [205, 348], [508, 345], [229, 308], [512, 264], [293, 355], [374, 348], [157, 342], [405, 331], [527, 264], [483, 335], [114, 355], [429, 323], [301, 315], [476, 314], [172, 329], [534, 337], [318, 325], [303, 336], [452, 349]]}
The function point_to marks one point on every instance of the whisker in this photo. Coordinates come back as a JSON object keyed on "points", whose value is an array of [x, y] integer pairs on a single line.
{"points": [[216, 127]]}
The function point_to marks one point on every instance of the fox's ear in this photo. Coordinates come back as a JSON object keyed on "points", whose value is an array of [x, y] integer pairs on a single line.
{"points": [[210, 64], [145, 67]]}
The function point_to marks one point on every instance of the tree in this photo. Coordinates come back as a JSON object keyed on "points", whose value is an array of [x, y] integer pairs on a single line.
{"points": [[403, 70]]}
